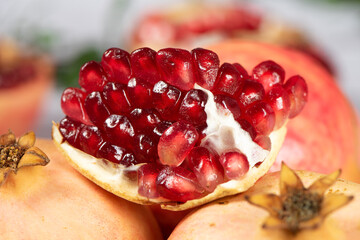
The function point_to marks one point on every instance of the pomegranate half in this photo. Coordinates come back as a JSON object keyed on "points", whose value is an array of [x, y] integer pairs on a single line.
{"points": [[176, 127]]}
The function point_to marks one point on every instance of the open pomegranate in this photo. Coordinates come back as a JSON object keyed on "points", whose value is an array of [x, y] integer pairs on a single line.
{"points": [[176, 127]]}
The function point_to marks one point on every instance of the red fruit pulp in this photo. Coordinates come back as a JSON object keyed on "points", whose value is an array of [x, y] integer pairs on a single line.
{"points": [[116, 63]]}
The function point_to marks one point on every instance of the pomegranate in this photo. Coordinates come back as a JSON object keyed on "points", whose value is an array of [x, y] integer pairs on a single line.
{"points": [[177, 138], [321, 138], [56, 202], [324, 210]]}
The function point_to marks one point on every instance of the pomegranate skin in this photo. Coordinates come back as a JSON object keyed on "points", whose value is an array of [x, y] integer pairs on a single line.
{"points": [[59, 203], [324, 136]]}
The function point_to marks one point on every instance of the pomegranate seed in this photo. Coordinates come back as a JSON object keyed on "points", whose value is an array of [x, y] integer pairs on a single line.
{"points": [[119, 130], [90, 139], [192, 108], [176, 143], [228, 80], [116, 99], [143, 63], [279, 101], [92, 77], [166, 100], [139, 94], [144, 120], [298, 92], [206, 167], [251, 92], [116, 154], [72, 104], [70, 129], [229, 104], [261, 116], [178, 184], [145, 148], [147, 175], [176, 67], [207, 64], [160, 129], [116, 63], [245, 125], [243, 73], [263, 141], [96, 109], [235, 164], [269, 73]]}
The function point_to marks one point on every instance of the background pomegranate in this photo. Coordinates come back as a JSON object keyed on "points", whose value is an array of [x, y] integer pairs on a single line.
{"points": [[56, 202]]}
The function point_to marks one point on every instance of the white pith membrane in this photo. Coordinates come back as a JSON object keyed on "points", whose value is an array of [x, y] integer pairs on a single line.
{"points": [[223, 133]]}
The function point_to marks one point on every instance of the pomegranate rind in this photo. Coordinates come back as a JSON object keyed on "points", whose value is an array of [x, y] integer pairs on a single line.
{"points": [[112, 178]]}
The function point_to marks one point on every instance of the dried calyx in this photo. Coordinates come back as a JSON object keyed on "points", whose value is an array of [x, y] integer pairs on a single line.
{"points": [[17, 154], [297, 207]]}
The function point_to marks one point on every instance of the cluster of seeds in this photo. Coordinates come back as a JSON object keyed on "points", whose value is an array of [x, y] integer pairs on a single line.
{"points": [[144, 107]]}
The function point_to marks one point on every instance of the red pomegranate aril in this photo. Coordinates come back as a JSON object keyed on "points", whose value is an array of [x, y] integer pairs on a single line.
{"points": [[263, 141], [251, 92], [279, 101], [116, 63], [119, 130], [243, 73], [144, 120], [228, 80], [72, 104], [178, 184], [147, 175], [298, 93], [207, 168], [235, 164], [261, 116], [96, 108], [90, 139], [145, 148], [70, 129], [246, 125], [269, 73], [143, 64], [229, 104], [176, 143], [92, 77], [207, 64], [192, 108], [166, 100], [139, 94], [116, 154], [176, 67], [160, 129], [116, 99]]}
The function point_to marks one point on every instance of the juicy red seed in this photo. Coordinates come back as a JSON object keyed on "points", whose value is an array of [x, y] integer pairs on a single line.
{"points": [[92, 77], [206, 167], [229, 104], [178, 184], [176, 143], [192, 108], [70, 129], [251, 92], [279, 101], [145, 148], [160, 129], [116, 154], [269, 73], [144, 120], [207, 64], [147, 175], [235, 164], [116, 99], [116, 63], [143, 64], [90, 139], [228, 80], [243, 73], [72, 104], [119, 130], [263, 141], [261, 116], [298, 92], [96, 109], [139, 94], [166, 100], [246, 125], [176, 67]]}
